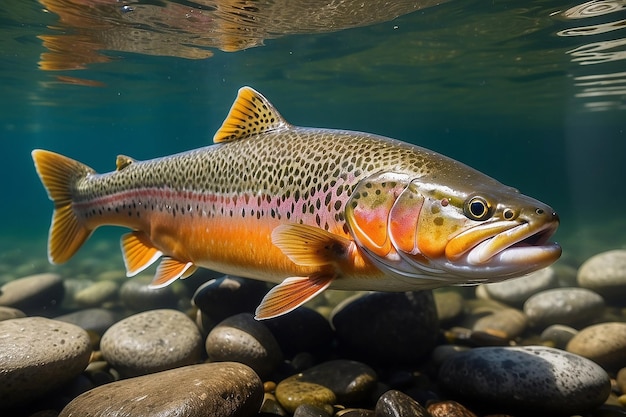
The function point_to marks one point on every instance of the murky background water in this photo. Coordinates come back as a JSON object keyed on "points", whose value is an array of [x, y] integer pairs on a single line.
{"points": [[532, 93]]}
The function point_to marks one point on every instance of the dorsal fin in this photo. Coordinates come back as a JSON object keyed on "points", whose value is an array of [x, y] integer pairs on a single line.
{"points": [[250, 114], [123, 161]]}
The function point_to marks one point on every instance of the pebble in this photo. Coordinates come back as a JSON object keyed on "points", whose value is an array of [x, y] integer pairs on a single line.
{"points": [[605, 273], [271, 406], [291, 393], [394, 403], [38, 355], [531, 379], [39, 294], [390, 328], [96, 320], [308, 410], [151, 341], [96, 294], [448, 409], [355, 412], [241, 338], [508, 324], [603, 343], [302, 330], [137, 295], [620, 379], [514, 292], [223, 389], [449, 304], [227, 296], [8, 313], [558, 335], [352, 382], [570, 306]]}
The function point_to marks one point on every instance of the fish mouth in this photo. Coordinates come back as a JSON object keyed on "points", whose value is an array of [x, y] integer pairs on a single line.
{"points": [[506, 247]]}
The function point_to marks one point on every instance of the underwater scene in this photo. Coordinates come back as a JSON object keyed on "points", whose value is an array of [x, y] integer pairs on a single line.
{"points": [[388, 277]]}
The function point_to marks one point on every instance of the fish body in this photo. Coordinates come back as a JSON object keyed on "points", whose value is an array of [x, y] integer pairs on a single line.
{"points": [[305, 208]]}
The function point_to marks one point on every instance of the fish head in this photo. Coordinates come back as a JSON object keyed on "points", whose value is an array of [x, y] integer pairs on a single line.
{"points": [[479, 231]]}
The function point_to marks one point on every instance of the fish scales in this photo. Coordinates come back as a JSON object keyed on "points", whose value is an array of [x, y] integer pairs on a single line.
{"points": [[307, 208]]}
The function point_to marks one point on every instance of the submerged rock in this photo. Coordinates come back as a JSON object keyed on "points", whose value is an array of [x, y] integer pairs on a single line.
{"points": [[151, 341], [605, 273], [38, 355], [531, 379], [222, 389], [603, 343]]}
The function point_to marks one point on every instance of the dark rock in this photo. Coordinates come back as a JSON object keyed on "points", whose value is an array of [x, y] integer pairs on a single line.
{"points": [[395, 403], [533, 379], [39, 294], [137, 295], [302, 330], [97, 320], [388, 328], [241, 338]]}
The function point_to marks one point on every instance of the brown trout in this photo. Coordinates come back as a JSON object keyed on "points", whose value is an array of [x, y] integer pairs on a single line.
{"points": [[305, 208]]}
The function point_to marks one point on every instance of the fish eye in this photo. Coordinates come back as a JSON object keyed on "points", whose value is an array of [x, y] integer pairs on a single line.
{"points": [[477, 208]]}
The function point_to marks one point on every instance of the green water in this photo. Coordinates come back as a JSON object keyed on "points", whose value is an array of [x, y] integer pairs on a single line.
{"points": [[532, 93]]}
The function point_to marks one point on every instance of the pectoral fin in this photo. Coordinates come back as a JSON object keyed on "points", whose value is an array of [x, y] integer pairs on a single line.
{"points": [[138, 252], [291, 294], [310, 246], [169, 270]]}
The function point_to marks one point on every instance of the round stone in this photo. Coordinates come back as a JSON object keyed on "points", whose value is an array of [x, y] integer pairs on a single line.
{"points": [[227, 296], [38, 355], [96, 320], [241, 338], [390, 328], [292, 392], [137, 295], [621, 380], [213, 389], [448, 409], [605, 274], [449, 304], [352, 382], [515, 292], [507, 324], [603, 343], [151, 341], [302, 330], [570, 306], [558, 335], [530, 379], [395, 403], [8, 313], [96, 294], [39, 294]]}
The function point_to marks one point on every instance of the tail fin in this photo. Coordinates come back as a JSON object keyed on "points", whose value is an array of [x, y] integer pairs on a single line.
{"points": [[59, 175]]}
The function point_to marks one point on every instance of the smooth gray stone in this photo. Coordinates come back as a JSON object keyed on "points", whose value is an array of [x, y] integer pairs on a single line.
{"points": [[152, 341], [395, 403], [97, 320], [38, 355], [243, 339], [605, 273], [514, 292], [137, 295], [96, 294], [39, 294], [214, 389], [530, 379], [387, 328], [569, 306], [558, 334], [603, 343]]}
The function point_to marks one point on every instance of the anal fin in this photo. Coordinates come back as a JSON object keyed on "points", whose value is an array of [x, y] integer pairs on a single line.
{"points": [[138, 252], [169, 270], [291, 294]]}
